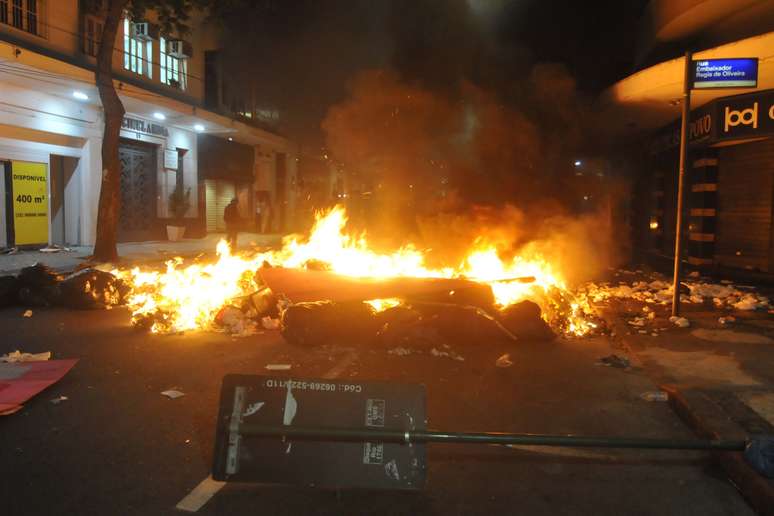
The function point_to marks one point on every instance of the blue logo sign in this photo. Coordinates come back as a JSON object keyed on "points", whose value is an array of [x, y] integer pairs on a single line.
{"points": [[725, 73]]}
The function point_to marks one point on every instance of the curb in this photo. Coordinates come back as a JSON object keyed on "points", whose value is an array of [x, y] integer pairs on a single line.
{"points": [[709, 421]]}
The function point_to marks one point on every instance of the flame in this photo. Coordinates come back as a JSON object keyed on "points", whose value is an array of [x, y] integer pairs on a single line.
{"points": [[189, 297]]}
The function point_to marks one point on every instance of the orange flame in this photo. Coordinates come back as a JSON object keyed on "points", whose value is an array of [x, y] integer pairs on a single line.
{"points": [[189, 297]]}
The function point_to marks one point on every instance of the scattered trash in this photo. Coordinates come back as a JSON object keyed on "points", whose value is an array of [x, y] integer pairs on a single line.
{"points": [[59, 399], [54, 249], [680, 322], [659, 291], [655, 396], [9, 250], [642, 332], [654, 334], [270, 323], [18, 356], [278, 367], [449, 354], [172, 394], [694, 274], [504, 361], [614, 361], [751, 302], [400, 351], [27, 313], [727, 320]]}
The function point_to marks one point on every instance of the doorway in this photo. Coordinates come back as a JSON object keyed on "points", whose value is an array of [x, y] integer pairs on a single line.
{"points": [[138, 192]]}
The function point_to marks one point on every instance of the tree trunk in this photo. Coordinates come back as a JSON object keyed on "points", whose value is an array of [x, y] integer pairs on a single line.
{"points": [[109, 194]]}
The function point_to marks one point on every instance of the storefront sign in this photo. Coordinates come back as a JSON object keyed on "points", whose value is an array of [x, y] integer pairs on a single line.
{"points": [[144, 127], [730, 118], [30, 202], [745, 116], [170, 159], [725, 73]]}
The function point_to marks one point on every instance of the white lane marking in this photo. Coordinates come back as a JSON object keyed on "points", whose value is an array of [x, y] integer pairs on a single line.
{"points": [[200, 495], [208, 487]]}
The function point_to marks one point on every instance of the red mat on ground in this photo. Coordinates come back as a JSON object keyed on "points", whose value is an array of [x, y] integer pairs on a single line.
{"points": [[20, 381]]}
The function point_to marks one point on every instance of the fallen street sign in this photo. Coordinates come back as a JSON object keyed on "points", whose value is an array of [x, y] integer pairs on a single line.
{"points": [[739, 72], [304, 402]]}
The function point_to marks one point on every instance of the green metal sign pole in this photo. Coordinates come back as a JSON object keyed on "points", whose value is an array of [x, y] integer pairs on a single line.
{"points": [[680, 182], [438, 436]]}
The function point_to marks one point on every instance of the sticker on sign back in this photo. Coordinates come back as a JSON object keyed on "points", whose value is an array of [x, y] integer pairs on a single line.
{"points": [[374, 413]]}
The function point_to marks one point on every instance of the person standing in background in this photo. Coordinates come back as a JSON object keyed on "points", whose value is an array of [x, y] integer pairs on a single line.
{"points": [[231, 218]]}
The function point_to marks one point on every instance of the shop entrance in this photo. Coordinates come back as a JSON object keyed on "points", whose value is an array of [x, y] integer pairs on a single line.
{"points": [[138, 192]]}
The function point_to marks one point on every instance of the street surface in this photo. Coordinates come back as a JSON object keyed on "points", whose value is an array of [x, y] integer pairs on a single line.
{"points": [[117, 446]]}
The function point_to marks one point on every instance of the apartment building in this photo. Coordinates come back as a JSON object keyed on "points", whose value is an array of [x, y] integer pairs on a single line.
{"points": [[51, 126]]}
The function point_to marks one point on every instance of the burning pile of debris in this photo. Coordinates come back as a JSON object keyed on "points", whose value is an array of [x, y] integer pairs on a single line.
{"points": [[332, 287], [38, 285]]}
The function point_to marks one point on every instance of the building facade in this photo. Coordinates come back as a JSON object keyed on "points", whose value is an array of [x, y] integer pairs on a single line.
{"points": [[52, 123], [729, 182]]}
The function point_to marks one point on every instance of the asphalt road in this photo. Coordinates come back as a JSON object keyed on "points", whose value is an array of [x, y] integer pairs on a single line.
{"points": [[117, 446]]}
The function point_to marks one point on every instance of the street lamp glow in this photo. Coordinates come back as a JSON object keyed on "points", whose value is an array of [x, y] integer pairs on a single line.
{"points": [[578, 163], [199, 127], [159, 116], [80, 95]]}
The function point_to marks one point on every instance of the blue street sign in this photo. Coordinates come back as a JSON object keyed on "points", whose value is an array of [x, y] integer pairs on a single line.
{"points": [[725, 73]]}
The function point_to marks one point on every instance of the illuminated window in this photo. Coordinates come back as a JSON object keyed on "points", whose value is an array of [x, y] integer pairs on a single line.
{"points": [[22, 14], [137, 53], [173, 69]]}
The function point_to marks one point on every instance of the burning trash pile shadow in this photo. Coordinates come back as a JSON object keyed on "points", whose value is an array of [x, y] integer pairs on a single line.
{"points": [[40, 286]]}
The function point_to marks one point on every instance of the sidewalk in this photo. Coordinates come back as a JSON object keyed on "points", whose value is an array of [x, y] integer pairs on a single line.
{"points": [[132, 252], [719, 377]]}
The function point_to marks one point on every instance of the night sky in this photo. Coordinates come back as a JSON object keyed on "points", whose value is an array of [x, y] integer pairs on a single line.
{"points": [[305, 52]]}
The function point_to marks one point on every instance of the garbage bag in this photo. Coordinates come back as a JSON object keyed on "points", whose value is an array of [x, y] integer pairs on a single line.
{"points": [[9, 289], [92, 288], [525, 322], [402, 326], [325, 322], [38, 286], [759, 453], [457, 324]]}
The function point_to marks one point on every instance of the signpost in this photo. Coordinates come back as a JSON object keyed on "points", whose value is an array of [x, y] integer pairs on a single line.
{"points": [[705, 74]]}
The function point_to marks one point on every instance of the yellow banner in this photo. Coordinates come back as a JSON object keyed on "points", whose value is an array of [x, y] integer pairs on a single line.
{"points": [[30, 202]]}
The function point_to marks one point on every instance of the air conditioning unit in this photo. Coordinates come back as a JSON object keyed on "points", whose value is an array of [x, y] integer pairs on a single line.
{"points": [[179, 48], [145, 31]]}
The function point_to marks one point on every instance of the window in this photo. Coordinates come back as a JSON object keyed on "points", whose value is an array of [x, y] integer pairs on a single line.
{"points": [[137, 53], [17, 14], [92, 35], [22, 14], [173, 69]]}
